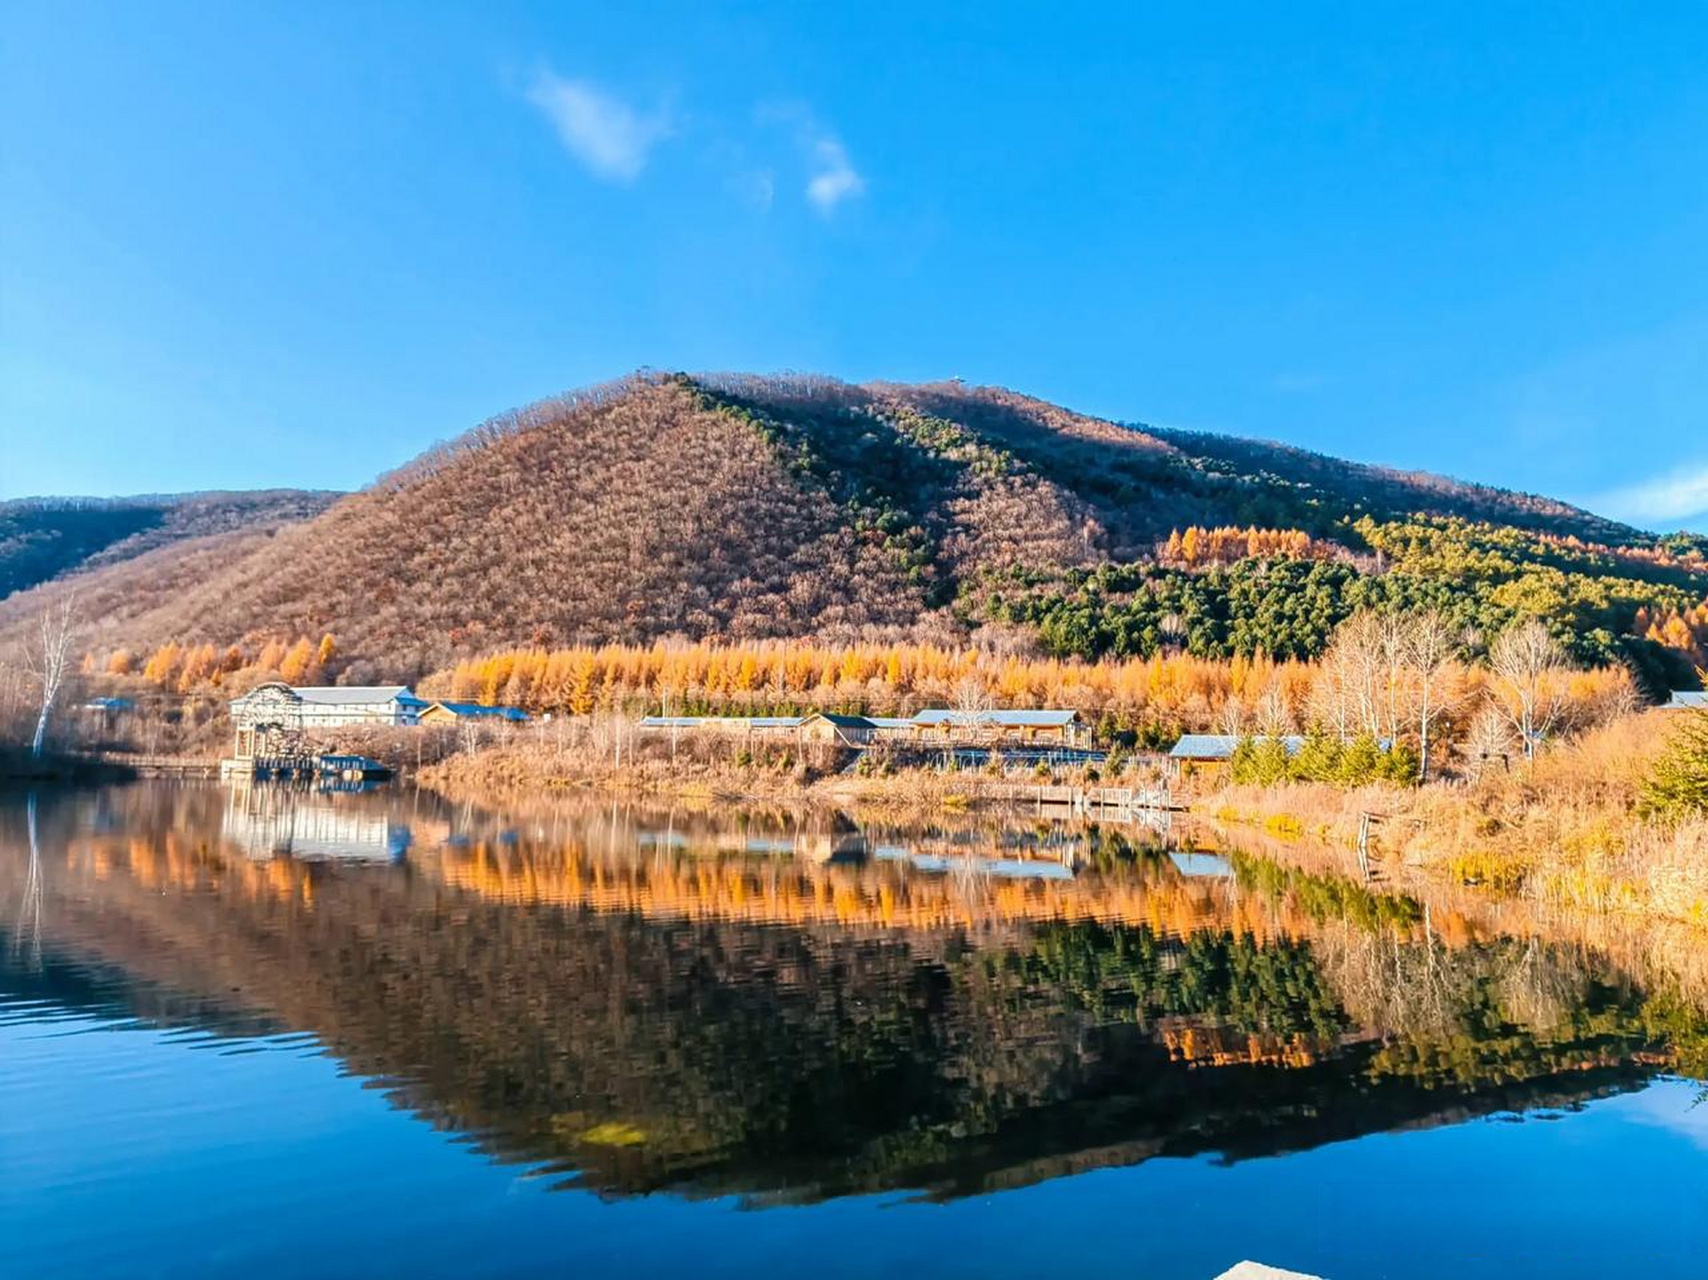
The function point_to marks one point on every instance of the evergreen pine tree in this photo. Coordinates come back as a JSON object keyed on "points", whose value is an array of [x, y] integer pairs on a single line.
{"points": [[1678, 783]]}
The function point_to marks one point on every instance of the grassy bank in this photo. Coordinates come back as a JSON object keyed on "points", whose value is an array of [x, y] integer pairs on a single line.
{"points": [[609, 754], [1568, 829], [700, 770]]}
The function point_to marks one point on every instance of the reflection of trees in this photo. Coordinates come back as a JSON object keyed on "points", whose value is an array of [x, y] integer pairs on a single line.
{"points": [[27, 933], [686, 1019], [1130, 973]]}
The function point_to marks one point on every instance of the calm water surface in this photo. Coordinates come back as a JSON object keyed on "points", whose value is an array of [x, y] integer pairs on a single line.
{"points": [[267, 1033]]}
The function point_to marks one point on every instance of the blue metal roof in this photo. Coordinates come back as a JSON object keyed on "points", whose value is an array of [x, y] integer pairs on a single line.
{"points": [[1048, 718], [729, 722], [481, 709], [1220, 746]]}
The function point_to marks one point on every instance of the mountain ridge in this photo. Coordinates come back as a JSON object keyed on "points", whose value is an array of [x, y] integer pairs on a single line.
{"points": [[743, 507]]}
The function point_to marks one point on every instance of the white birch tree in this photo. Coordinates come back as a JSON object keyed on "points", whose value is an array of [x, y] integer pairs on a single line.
{"points": [[49, 660], [1527, 661]]}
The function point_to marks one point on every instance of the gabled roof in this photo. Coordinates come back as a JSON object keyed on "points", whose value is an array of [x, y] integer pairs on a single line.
{"points": [[733, 722], [1690, 698], [889, 722], [1048, 718], [1220, 746], [477, 709], [841, 721], [348, 695]]}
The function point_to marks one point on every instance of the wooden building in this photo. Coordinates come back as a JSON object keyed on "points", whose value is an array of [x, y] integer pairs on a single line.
{"points": [[465, 712], [1209, 754], [1051, 726], [840, 730]]}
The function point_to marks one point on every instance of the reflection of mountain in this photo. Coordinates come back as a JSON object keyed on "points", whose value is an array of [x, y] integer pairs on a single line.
{"points": [[668, 1016]]}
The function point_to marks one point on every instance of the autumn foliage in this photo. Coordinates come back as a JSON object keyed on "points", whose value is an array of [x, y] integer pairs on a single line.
{"points": [[875, 678], [1683, 630], [1198, 547], [1163, 694], [187, 668]]}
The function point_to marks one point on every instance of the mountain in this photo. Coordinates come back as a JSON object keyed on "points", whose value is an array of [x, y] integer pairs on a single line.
{"points": [[748, 507], [42, 538]]}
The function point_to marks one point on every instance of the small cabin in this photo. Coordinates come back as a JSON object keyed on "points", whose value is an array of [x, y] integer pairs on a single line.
{"points": [[1209, 754], [470, 712], [839, 730]]}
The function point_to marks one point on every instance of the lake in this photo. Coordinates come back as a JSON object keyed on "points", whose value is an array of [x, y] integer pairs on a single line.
{"points": [[268, 1032]]}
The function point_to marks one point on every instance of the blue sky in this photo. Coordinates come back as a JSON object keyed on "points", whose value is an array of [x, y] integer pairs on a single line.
{"points": [[254, 245]]}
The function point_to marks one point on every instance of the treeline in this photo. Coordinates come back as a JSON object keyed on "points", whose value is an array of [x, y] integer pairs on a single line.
{"points": [[1197, 547], [186, 668], [1684, 631], [876, 678], [1398, 677], [1324, 758], [1601, 607]]}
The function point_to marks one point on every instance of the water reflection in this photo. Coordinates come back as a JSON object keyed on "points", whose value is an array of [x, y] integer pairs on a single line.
{"points": [[793, 1009]]}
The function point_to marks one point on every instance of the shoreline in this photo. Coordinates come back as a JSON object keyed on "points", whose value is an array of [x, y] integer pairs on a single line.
{"points": [[1519, 844]]}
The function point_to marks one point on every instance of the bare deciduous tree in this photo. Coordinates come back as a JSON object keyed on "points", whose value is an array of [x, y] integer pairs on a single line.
{"points": [[972, 700], [1526, 661], [1361, 686], [1274, 716], [1432, 645]]}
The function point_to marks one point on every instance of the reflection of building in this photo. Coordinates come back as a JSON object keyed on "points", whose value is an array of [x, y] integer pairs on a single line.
{"points": [[1190, 863], [273, 713], [816, 846], [270, 821]]}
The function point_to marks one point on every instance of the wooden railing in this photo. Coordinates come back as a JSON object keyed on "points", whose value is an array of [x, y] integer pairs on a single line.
{"points": [[191, 766]]}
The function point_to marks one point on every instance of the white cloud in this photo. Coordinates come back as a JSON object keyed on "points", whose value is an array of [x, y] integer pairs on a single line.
{"points": [[831, 175], [835, 179], [601, 131], [1664, 500], [1669, 1105]]}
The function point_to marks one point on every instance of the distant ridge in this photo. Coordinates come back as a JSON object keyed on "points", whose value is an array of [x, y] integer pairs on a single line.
{"points": [[41, 538]]}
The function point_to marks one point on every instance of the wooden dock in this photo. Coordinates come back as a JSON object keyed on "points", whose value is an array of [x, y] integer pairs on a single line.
{"points": [[146, 766], [1085, 799], [340, 766]]}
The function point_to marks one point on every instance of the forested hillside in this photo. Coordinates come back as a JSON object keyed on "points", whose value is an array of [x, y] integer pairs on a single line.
{"points": [[41, 538], [740, 508]]}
